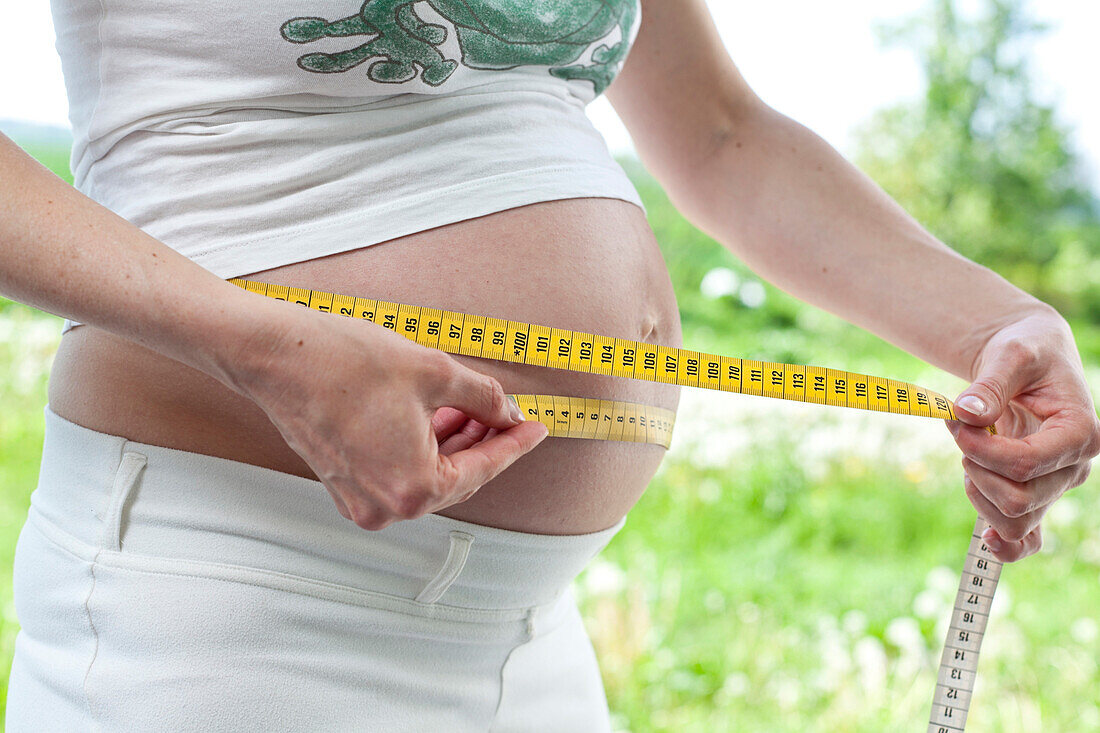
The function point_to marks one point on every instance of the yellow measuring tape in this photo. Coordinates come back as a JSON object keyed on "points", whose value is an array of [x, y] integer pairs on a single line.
{"points": [[580, 417], [576, 351]]}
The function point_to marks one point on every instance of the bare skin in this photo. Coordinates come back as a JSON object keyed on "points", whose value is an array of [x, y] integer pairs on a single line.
{"points": [[585, 264]]}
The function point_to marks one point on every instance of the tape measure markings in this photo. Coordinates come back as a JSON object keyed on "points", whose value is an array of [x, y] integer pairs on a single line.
{"points": [[587, 417], [577, 351], [965, 632]]}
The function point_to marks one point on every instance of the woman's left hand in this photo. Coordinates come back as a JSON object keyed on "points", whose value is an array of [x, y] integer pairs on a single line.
{"points": [[1031, 384]]}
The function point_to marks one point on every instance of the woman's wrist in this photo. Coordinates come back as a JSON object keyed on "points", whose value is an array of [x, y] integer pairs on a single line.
{"points": [[1036, 328], [252, 338]]}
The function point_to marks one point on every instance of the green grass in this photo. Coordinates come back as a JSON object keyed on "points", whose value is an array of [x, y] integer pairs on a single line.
{"points": [[28, 340], [755, 597], [54, 157], [764, 588]]}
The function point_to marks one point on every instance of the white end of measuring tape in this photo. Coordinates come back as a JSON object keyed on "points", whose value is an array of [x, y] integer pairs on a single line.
{"points": [[959, 663]]}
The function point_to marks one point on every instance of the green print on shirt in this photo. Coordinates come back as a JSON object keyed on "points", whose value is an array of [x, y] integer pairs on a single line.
{"points": [[492, 34]]}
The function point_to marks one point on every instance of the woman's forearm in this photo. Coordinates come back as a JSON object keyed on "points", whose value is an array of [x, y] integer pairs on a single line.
{"points": [[804, 218], [62, 252], [363, 423]]}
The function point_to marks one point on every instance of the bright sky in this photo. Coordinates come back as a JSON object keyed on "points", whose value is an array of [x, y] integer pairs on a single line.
{"points": [[817, 62]]}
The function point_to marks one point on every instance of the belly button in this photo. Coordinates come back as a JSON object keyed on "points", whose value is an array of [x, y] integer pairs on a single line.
{"points": [[649, 329]]}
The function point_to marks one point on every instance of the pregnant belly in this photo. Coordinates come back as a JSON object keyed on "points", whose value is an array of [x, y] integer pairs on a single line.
{"points": [[583, 264]]}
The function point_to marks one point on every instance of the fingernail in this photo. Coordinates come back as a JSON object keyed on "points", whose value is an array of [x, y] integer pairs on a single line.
{"points": [[990, 541], [972, 403], [515, 412]]}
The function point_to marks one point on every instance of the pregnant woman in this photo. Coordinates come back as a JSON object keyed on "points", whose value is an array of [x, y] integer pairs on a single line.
{"points": [[182, 566]]}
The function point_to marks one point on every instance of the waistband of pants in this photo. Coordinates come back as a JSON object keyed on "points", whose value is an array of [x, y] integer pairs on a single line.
{"points": [[133, 501]]}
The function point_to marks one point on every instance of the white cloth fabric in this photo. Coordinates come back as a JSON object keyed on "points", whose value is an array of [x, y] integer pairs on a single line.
{"points": [[161, 590], [207, 124]]}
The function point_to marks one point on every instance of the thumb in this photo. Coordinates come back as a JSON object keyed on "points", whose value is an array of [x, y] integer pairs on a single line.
{"points": [[1001, 377], [479, 396]]}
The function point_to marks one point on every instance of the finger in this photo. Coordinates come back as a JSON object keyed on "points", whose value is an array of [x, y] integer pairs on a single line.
{"points": [[479, 396], [1057, 444], [1011, 529], [1012, 551], [471, 432], [474, 467], [1014, 498], [341, 505], [446, 422], [464, 497], [369, 515], [1012, 368]]}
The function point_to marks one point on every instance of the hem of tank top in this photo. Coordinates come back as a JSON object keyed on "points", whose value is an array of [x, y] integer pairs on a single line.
{"points": [[217, 259], [396, 218]]}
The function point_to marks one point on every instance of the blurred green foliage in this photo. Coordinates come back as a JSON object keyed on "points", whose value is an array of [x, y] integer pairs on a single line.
{"points": [[54, 157], [983, 161]]}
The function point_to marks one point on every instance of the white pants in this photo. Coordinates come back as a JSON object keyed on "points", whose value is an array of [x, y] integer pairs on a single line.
{"points": [[161, 590]]}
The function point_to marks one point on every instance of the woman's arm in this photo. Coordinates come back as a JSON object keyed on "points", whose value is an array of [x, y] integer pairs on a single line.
{"points": [[784, 201], [374, 451], [63, 253]]}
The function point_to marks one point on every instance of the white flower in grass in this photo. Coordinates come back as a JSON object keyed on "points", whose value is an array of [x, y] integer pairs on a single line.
{"points": [[1063, 512], [929, 604], [1084, 630], [1002, 601], [664, 658], [709, 491], [734, 686], [943, 580], [719, 282], [870, 660], [620, 723], [1089, 551], [854, 622], [752, 294], [836, 661], [786, 690], [604, 578], [749, 612], [904, 633]]}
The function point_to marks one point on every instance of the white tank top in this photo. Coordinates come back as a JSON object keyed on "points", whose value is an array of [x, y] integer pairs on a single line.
{"points": [[253, 135]]}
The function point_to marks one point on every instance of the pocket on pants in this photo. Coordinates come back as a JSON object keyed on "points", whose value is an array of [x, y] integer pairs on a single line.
{"points": [[56, 643], [552, 683]]}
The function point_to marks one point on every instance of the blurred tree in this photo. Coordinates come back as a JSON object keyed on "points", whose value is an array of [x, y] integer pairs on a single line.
{"points": [[982, 162]]}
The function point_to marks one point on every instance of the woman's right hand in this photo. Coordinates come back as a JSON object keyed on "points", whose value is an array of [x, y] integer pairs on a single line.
{"points": [[356, 401]]}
